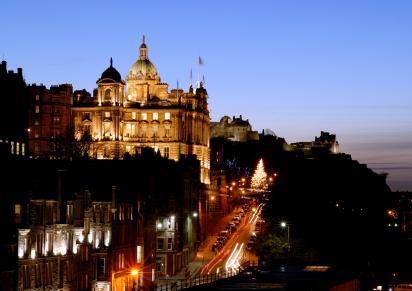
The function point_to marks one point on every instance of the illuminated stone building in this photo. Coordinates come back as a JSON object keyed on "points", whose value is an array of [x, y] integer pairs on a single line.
{"points": [[124, 116], [233, 129], [49, 120], [326, 143], [87, 250]]}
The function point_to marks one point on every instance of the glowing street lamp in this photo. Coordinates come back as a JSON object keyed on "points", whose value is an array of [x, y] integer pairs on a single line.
{"points": [[284, 224], [134, 272]]}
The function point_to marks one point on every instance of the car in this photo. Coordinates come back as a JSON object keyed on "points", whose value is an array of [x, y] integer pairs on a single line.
{"points": [[250, 245], [221, 239], [224, 233], [215, 246]]}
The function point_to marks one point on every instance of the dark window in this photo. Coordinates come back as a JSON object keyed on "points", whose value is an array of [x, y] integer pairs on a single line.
{"points": [[160, 242], [101, 266]]}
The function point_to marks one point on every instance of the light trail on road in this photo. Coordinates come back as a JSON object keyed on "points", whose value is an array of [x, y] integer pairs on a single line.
{"points": [[229, 257]]}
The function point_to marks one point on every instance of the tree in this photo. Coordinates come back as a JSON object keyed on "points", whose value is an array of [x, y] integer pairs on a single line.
{"points": [[259, 179]]}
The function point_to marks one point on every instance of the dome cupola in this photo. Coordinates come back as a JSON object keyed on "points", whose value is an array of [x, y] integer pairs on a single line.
{"points": [[143, 67], [111, 74]]}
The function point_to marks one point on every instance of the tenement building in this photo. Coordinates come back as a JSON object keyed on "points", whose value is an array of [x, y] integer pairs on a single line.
{"points": [[49, 120], [122, 117], [13, 118]]}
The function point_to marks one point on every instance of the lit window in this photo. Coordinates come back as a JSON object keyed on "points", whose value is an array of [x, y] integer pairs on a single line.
{"points": [[144, 116], [139, 254], [133, 115], [166, 152], [36, 122], [155, 116], [17, 209], [167, 115], [121, 261], [107, 114], [12, 147], [128, 126], [37, 97], [37, 109], [17, 148], [144, 130], [23, 149], [167, 130], [155, 130]]}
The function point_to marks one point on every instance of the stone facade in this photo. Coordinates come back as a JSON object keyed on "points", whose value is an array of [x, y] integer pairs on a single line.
{"points": [[120, 121], [233, 129], [49, 120]]}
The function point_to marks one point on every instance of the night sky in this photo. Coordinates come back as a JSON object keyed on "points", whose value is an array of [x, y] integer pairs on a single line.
{"points": [[296, 67]]}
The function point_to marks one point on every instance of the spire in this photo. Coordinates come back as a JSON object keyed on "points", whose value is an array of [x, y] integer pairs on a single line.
{"points": [[143, 49], [111, 62]]}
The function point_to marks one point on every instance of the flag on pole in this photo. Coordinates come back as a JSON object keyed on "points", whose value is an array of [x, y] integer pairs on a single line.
{"points": [[191, 75], [200, 61]]}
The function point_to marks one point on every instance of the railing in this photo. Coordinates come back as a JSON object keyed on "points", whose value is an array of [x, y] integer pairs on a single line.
{"points": [[180, 284]]}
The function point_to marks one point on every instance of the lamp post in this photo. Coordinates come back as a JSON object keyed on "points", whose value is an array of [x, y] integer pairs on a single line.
{"points": [[134, 273], [284, 224]]}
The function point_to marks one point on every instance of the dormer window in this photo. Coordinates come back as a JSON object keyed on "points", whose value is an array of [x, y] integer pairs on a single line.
{"points": [[155, 116]]}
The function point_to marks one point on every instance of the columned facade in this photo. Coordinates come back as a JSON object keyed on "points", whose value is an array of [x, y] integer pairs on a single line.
{"points": [[124, 117]]}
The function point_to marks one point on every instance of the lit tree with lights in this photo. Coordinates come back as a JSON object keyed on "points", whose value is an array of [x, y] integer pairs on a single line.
{"points": [[259, 179]]}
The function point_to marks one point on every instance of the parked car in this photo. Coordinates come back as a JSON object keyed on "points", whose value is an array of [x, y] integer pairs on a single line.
{"points": [[250, 245], [221, 239], [225, 233], [215, 246]]}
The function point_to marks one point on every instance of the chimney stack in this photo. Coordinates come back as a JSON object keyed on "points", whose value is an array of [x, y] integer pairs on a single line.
{"points": [[4, 67]]}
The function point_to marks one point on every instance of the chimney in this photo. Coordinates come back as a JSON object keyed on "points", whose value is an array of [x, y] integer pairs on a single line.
{"points": [[240, 116], [4, 67], [20, 72]]}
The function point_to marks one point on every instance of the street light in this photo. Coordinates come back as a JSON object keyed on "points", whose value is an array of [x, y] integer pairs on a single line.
{"points": [[284, 224]]}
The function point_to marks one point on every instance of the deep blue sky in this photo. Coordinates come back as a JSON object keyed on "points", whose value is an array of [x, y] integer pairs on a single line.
{"points": [[297, 67]]}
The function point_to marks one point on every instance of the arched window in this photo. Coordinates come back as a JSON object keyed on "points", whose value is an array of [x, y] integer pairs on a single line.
{"points": [[107, 95]]}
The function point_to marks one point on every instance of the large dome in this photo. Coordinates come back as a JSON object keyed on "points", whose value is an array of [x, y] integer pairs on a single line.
{"points": [[111, 73], [144, 67]]}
